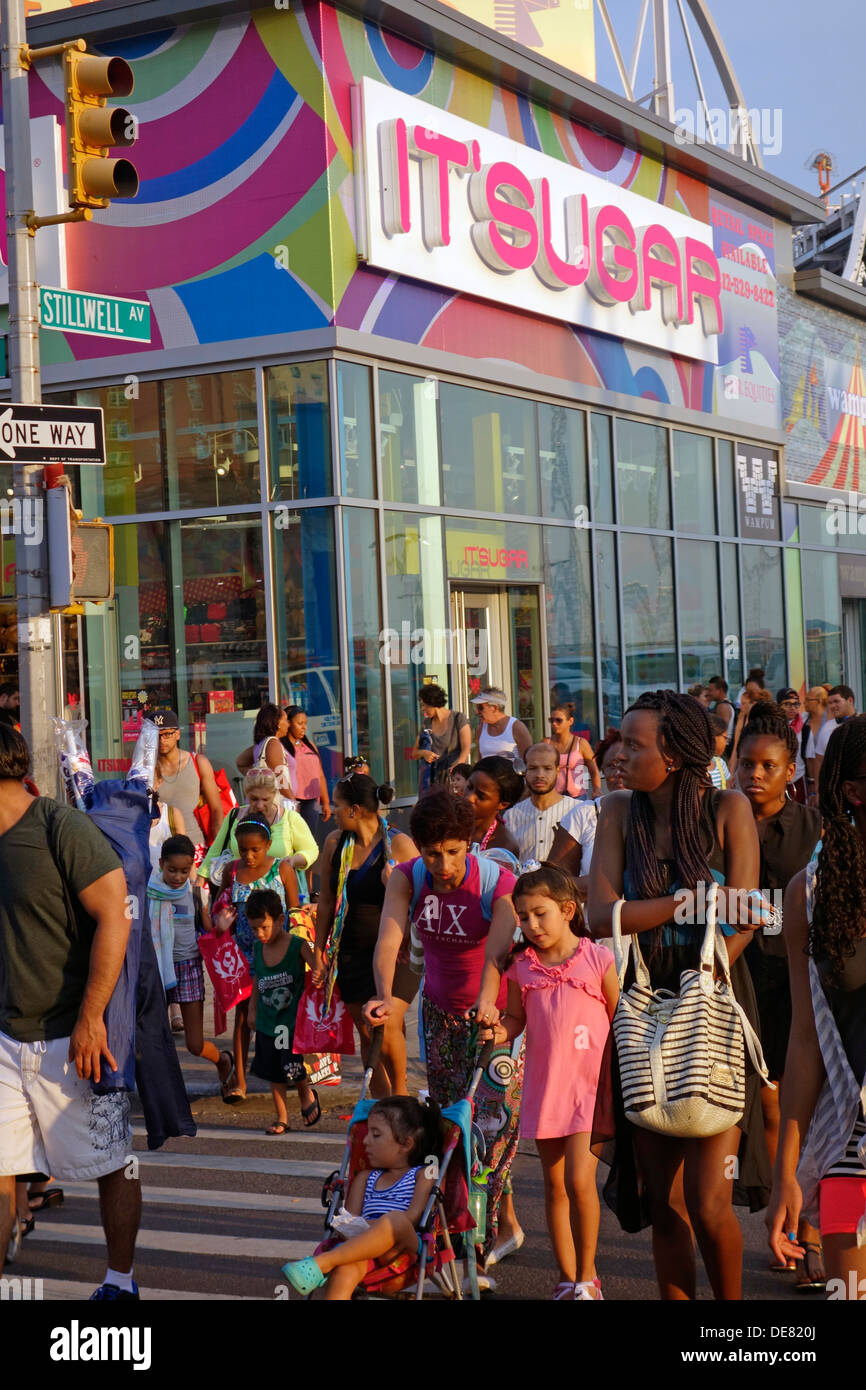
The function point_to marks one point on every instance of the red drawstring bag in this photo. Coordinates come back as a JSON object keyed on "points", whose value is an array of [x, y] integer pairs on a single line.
{"points": [[228, 971], [316, 1031]]}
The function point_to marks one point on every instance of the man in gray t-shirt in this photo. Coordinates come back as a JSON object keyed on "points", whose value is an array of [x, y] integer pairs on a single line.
{"points": [[63, 934]]}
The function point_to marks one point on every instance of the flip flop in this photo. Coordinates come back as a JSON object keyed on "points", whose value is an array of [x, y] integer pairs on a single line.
{"points": [[315, 1110], [811, 1277], [51, 1197], [278, 1127], [226, 1086], [234, 1097]]}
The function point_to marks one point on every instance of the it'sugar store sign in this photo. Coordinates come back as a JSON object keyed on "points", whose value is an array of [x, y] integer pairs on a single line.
{"points": [[448, 202]]}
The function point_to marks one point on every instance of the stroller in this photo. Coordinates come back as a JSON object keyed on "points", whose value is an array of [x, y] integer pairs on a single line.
{"points": [[455, 1207]]}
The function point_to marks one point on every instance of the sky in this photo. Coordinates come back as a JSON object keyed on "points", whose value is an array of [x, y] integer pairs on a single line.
{"points": [[802, 61]]}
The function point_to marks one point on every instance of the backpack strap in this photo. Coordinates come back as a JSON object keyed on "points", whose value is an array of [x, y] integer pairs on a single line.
{"points": [[489, 872], [419, 878]]}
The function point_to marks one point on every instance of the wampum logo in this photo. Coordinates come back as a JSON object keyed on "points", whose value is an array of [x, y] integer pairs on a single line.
{"points": [[77, 1343]]}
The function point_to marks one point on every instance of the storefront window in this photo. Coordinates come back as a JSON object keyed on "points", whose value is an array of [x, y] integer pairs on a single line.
{"points": [[694, 491], [132, 479], [733, 645], [600, 467], [409, 438], [355, 417], [569, 621], [648, 614], [698, 610], [822, 610], [562, 461], [418, 625], [727, 489], [642, 475], [764, 613], [484, 552], [794, 602], [608, 637], [489, 451], [8, 605], [813, 526], [299, 430], [305, 580], [210, 440], [364, 627]]}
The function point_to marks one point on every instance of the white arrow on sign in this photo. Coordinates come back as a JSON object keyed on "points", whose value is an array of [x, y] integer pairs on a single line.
{"points": [[44, 434]]}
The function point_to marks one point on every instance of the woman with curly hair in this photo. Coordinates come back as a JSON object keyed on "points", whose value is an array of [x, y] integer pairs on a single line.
{"points": [[494, 785], [671, 831], [825, 934]]}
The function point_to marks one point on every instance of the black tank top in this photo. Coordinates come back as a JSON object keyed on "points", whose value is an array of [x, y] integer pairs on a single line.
{"points": [[365, 896], [846, 995]]}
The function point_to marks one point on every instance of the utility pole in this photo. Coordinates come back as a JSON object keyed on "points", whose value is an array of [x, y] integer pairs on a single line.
{"points": [[35, 652]]}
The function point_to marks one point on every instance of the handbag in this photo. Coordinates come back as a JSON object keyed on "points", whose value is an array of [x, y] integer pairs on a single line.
{"points": [[228, 799], [682, 1056]]}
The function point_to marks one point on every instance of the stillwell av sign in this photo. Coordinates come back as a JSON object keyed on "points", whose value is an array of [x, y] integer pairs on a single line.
{"points": [[95, 315]]}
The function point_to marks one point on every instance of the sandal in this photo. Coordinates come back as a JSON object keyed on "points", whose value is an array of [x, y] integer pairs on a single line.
{"points": [[564, 1290], [51, 1197], [313, 1113], [278, 1127], [226, 1086], [588, 1291], [810, 1270], [234, 1097]]}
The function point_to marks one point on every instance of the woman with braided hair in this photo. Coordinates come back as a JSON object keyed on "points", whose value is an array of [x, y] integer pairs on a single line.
{"points": [[787, 833], [825, 934], [671, 830]]}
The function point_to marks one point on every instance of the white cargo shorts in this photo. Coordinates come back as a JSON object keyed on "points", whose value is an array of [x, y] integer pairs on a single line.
{"points": [[51, 1121]]}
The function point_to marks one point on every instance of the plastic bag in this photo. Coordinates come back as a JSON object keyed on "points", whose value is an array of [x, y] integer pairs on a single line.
{"points": [[144, 755], [74, 760], [318, 1031]]}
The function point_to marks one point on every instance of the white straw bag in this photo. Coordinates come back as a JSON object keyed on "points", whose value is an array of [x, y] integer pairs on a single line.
{"points": [[682, 1056]]}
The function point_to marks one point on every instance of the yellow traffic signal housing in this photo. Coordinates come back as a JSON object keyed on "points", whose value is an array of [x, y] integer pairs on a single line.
{"points": [[92, 562], [93, 128]]}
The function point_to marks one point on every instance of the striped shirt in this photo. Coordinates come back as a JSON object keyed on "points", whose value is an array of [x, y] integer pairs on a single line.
{"points": [[533, 829], [842, 1101], [720, 773], [397, 1197]]}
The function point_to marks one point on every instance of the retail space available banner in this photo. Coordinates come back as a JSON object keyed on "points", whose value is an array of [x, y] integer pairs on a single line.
{"points": [[824, 395], [747, 380], [443, 200], [561, 30]]}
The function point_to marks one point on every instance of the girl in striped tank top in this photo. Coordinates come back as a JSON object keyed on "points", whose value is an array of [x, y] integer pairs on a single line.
{"points": [[403, 1145]]}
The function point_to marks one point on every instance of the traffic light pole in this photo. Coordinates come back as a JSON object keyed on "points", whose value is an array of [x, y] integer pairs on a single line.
{"points": [[36, 671]]}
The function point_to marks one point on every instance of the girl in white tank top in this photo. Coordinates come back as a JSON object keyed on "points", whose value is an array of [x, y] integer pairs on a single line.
{"points": [[503, 745]]}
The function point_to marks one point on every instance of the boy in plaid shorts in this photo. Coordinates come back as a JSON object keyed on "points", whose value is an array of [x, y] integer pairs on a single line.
{"points": [[171, 889]]}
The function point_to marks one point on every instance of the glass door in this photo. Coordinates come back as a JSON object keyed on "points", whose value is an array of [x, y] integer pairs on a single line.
{"points": [[497, 641], [480, 649], [854, 645]]}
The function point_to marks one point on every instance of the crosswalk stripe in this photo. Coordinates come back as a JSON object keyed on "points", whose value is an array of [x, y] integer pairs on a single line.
{"points": [[283, 1168], [67, 1290], [218, 1201], [182, 1242], [255, 1136]]}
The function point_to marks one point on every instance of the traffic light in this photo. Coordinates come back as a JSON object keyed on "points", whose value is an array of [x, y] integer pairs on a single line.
{"points": [[93, 128]]}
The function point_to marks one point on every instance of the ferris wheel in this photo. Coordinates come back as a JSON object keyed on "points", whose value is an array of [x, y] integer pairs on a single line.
{"points": [[717, 69]]}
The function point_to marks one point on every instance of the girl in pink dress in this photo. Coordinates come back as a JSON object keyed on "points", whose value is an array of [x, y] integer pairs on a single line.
{"points": [[562, 988]]}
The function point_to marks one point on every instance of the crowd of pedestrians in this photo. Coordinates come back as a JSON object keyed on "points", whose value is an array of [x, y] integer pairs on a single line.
{"points": [[538, 889]]}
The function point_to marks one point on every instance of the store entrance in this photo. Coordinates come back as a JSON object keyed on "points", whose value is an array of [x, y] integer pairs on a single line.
{"points": [[854, 646], [497, 641]]}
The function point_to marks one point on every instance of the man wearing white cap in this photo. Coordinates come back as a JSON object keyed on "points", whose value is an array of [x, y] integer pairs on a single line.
{"points": [[499, 735]]}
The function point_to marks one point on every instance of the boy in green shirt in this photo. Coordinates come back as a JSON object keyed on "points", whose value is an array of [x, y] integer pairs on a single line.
{"points": [[278, 963]]}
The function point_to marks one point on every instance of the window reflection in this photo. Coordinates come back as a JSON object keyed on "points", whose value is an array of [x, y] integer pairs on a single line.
{"points": [[210, 432], [642, 474], [299, 430], [489, 451], [648, 614]]}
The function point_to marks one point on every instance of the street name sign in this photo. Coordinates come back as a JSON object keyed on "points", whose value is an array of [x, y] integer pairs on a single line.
{"points": [[52, 434], [94, 315]]}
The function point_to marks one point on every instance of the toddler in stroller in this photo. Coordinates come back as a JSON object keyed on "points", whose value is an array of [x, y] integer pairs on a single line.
{"points": [[387, 1199]]}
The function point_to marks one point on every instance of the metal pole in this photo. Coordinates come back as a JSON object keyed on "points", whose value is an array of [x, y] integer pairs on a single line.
{"points": [[35, 651]]}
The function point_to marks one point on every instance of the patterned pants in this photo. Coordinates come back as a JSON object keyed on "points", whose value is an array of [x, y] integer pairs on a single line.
{"points": [[452, 1055]]}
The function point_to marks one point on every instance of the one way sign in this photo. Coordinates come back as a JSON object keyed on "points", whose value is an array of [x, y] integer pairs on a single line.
{"points": [[51, 434]]}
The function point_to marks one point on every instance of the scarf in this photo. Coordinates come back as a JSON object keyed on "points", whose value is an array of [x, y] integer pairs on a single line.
{"points": [[333, 947], [162, 900]]}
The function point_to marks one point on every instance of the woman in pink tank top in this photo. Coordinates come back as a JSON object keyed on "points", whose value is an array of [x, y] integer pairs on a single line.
{"points": [[578, 773]]}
